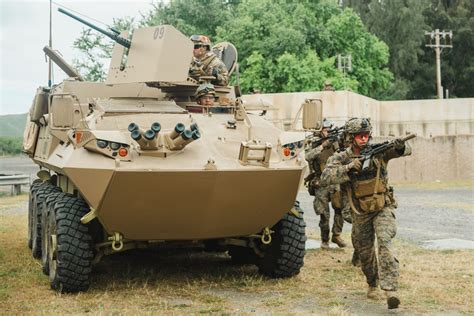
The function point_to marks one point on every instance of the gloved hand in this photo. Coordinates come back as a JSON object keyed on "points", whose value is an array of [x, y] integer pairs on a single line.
{"points": [[399, 144], [196, 72], [354, 165], [215, 72]]}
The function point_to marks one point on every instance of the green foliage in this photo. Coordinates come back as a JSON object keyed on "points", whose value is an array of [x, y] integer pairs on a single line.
{"points": [[402, 24], [11, 145], [12, 125], [291, 46]]}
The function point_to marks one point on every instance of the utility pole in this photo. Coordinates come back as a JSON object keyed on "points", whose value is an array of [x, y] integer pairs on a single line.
{"points": [[438, 47], [344, 64]]}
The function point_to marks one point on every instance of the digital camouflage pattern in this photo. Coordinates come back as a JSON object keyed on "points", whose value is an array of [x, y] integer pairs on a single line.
{"points": [[370, 225], [209, 65]]}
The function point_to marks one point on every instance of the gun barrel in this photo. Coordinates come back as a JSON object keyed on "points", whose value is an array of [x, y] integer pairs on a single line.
{"points": [[120, 40], [408, 137]]}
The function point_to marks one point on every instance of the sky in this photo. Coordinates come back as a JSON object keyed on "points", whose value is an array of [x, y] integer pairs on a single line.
{"points": [[24, 31]]}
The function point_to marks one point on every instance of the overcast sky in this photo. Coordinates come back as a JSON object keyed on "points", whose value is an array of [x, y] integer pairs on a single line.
{"points": [[25, 31]]}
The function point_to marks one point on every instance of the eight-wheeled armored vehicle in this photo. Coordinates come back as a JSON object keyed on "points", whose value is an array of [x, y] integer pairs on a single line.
{"points": [[125, 165]]}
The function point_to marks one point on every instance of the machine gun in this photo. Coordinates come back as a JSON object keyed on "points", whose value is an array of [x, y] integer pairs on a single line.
{"points": [[333, 135], [372, 150], [114, 36]]}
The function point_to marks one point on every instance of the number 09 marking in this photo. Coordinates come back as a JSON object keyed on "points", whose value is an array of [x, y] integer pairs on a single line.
{"points": [[159, 32]]}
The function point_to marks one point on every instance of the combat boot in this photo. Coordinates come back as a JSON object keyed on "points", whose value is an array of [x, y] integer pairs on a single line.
{"points": [[373, 293], [325, 245], [338, 241], [392, 299]]}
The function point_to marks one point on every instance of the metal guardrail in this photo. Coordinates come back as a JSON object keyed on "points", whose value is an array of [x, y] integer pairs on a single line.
{"points": [[15, 180]]}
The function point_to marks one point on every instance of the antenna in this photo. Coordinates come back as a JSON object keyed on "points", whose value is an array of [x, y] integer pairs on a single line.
{"points": [[50, 64]]}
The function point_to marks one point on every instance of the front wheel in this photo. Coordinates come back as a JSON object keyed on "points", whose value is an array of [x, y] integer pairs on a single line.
{"points": [[284, 256], [70, 251]]}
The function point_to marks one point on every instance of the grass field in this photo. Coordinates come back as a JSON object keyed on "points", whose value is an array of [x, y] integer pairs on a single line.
{"points": [[193, 282]]}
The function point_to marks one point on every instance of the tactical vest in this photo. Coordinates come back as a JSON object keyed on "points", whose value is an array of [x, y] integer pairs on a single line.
{"points": [[369, 188]]}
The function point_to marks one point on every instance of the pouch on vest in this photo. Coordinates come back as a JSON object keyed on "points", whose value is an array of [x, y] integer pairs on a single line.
{"points": [[367, 187], [372, 203]]}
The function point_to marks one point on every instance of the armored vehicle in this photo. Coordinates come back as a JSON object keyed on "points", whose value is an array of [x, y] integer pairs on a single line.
{"points": [[125, 165]]}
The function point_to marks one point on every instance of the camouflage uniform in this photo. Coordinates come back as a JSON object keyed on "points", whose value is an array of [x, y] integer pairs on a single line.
{"points": [[370, 222], [209, 65], [317, 158]]}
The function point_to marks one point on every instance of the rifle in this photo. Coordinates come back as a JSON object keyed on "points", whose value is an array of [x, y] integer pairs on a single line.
{"points": [[368, 152], [333, 135]]}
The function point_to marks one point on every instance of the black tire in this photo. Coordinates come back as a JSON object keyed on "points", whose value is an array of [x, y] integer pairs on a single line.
{"points": [[44, 189], [48, 203], [33, 188], [242, 255], [284, 256], [70, 261]]}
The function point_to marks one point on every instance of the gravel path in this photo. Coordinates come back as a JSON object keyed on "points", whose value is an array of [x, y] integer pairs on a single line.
{"points": [[422, 214]]}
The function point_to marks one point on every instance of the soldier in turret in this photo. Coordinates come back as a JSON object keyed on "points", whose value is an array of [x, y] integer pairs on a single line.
{"points": [[317, 158], [206, 63], [373, 204]]}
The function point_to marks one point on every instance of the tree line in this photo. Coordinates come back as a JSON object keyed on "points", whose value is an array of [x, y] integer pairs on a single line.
{"points": [[290, 46]]}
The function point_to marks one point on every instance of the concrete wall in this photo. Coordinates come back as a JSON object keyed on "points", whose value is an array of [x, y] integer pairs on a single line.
{"points": [[426, 118], [445, 158]]}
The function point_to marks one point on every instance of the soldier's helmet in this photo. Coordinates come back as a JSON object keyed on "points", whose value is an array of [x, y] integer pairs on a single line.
{"points": [[327, 123], [201, 40], [358, 125], [205, 88]]}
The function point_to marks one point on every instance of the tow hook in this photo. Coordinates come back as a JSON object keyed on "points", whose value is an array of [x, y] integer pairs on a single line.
{"points": [[266, 236], [117, 241]]}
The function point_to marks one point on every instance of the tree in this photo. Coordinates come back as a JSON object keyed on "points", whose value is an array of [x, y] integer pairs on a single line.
{"points": [[457, 64]]}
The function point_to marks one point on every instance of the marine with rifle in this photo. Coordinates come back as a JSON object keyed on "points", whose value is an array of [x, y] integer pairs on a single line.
{"points": [[322, 146], [361, 170]]}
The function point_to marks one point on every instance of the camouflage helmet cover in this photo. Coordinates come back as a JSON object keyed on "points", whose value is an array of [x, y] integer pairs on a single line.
{"points": [[205, 88], [201, 40], [358, 125]]}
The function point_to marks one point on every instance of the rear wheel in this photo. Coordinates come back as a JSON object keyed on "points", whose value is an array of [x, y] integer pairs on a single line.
{"points": [[40, 195], [69, 245], [47, 205], [33, 188], [284, 256]]}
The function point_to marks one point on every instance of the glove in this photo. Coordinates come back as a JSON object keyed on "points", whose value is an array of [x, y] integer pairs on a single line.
{"points": [[215, 72], [196, 72], [354, 165], [399, 144]]}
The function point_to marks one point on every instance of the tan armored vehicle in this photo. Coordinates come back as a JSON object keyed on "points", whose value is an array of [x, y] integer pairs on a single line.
{"points": [[125, 165]]}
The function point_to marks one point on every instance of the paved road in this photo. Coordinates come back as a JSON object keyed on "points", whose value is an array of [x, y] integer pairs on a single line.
{"points": [[423, 214]]}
